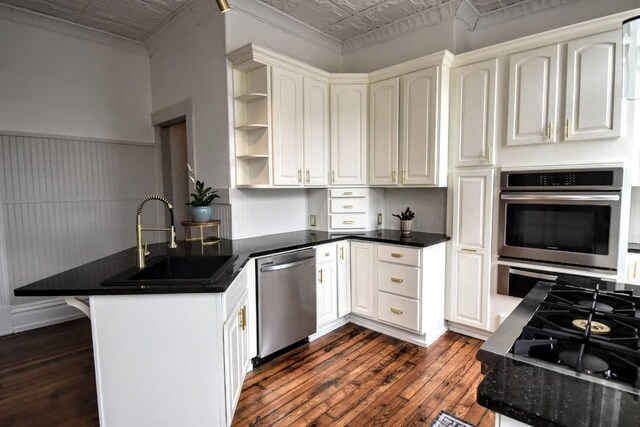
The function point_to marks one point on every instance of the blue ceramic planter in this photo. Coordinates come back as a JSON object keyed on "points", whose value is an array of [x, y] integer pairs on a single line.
{"points": [[200, 213]]}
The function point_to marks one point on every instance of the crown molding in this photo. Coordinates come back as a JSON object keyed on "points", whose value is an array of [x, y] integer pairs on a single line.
{"points": [[558, 35], [444, 58], [429, 17], [277, 19], [71, 29]]}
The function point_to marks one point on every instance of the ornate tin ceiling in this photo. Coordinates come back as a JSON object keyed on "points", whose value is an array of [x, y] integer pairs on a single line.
{"points": [[135, 19]]}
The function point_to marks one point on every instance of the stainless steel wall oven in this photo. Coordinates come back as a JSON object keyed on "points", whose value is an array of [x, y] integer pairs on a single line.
{"points": [[561, 216]]}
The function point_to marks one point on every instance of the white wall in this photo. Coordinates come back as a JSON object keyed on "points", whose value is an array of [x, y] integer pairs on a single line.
{"points": [[408, 46], [59, 84], [556, 17], [244, 27], [429, 205], [188, 62], [76, 154], [257, 212]]}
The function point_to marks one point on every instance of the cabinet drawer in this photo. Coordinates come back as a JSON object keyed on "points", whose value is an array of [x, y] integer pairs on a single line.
{"points": [[348, 192], [398, 279], [399, 255], [325, 253], [348, 205], [399, 311], [349, 221]]}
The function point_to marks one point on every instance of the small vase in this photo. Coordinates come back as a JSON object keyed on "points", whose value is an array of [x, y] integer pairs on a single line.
{"points": [[405, 227], [200, 213]]}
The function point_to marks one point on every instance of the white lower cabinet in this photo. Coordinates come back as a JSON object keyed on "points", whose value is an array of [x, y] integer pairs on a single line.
{"points": [[326, 285], [468, 299], [363, 293], [236, 353], [344, 278]]}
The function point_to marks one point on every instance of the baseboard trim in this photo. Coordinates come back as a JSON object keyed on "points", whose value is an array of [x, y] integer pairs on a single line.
{"points": [[421, 340], [469, 331], [329, 327], [42, 313]]}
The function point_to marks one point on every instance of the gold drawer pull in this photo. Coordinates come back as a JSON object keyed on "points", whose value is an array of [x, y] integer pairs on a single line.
{"points": [[396, 280], [347, 193], [396, 255], [348, 206], [468, 250], [349, 221], [396, 311]]}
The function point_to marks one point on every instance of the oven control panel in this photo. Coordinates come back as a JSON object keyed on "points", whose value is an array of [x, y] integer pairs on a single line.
{"points": [[602, 179]]}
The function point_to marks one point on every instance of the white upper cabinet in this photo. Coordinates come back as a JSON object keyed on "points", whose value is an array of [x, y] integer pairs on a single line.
{"points": [[473, 114], [384, 109], [287, 127], [533, 96], [349, 134], [419, 131], [316, 132], [593, 101]]}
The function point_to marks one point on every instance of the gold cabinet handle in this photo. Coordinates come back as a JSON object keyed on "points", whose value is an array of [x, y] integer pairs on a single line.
{"points": [[396, 280], [347, 193], [548, 131], [348, 221], [299, 176], [396, 255], [468, 250], [243, 317], [393, 177], [327, 254], [320, 277], [308, 176], [347, 206], [404, 176], [341, 253], [396, 311], [566, 129], [333, 176]]}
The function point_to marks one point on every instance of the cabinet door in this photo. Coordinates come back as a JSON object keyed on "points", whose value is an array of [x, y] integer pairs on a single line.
{"points": [[533, 93], [236, 354], [418, 133], [471, 256], [287, 122], [384, 108], [349, 134], [633, 269], [363, 292], [316, 132], [594, 92], [326, 293], [344, 279], [473, 120]]}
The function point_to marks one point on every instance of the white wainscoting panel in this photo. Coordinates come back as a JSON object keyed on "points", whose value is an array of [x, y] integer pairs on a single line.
{"points": [[67, 202], [223, 213]]}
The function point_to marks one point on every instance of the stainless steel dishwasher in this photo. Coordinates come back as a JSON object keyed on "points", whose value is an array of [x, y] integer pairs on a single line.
{"points": [[286, 300]]}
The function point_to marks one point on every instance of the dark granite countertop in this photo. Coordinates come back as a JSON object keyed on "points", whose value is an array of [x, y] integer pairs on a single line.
{"points": [[86, 279], [545, 395]]}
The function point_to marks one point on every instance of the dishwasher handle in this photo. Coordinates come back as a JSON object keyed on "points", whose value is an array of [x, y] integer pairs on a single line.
{"points": [[283, 266]]}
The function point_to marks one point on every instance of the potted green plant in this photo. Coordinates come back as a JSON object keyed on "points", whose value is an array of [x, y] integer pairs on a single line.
{"points": [[200, 204], [406, 218]]}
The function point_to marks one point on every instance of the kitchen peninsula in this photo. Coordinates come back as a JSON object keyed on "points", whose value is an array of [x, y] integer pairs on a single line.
{"points": [[165, 354]]}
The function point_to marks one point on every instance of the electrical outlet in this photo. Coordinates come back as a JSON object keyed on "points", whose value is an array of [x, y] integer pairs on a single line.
{"points": [[379, 219], [312, 220]]}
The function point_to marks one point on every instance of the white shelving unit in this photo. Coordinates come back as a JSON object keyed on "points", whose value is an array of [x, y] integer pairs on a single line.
{"points": [[252, 114]]}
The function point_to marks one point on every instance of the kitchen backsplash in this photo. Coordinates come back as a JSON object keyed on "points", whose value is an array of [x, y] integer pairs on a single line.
{"points": [[429, 205]]}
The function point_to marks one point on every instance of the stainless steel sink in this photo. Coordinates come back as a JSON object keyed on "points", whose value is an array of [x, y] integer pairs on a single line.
{"points": [[167, 270]]}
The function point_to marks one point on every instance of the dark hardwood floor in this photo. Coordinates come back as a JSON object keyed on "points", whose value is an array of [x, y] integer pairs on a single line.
{"points": [[358, 377], [352, 376]]}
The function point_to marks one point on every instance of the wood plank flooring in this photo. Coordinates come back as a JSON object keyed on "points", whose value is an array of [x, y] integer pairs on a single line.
{"points": [[357, 377], [352, 376]]}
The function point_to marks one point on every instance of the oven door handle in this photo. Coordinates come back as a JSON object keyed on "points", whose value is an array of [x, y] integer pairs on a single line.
{"points": [[563, 197], [532, 274]]}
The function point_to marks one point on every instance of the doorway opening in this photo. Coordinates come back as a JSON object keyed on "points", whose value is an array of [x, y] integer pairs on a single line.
{"points": [[175, 178]]}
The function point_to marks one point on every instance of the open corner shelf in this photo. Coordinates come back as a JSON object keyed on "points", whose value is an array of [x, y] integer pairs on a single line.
{"points": [[253, 126], [249, 97]]}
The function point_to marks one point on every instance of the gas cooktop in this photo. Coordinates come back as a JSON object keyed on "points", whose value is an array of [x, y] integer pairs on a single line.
{"points": [[586, 331]]}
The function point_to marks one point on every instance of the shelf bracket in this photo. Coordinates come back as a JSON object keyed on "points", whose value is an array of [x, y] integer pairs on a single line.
{"points": [[80, 305]]}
